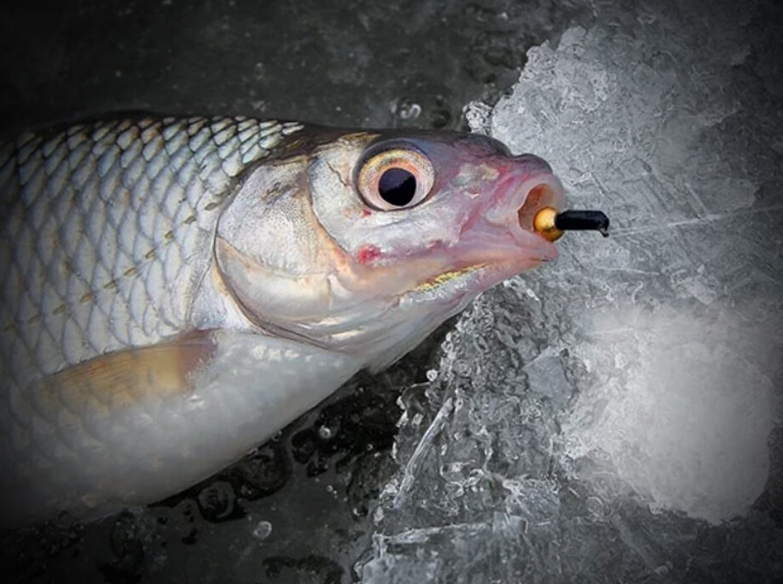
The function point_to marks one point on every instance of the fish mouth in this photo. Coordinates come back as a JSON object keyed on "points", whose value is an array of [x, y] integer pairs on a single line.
{"points": [[500, 241], [539, 194]]}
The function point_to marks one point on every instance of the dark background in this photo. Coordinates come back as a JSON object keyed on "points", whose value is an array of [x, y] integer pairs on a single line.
{"points": [[330, 62]]}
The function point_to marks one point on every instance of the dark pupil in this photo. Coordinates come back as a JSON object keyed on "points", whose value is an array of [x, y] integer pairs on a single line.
{"points": [[397, 186]]}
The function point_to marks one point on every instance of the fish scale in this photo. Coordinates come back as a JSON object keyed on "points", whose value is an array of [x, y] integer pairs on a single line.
{"points": [[114, 273]]}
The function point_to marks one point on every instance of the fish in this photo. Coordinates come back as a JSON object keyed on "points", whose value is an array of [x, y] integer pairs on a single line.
{"points": [[176, 290]]}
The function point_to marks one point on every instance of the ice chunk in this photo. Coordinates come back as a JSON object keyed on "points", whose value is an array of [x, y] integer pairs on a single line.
{"points": [[546, 377]]}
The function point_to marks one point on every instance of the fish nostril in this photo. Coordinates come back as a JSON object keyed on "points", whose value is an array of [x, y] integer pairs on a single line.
{"points": [[532, 159]]}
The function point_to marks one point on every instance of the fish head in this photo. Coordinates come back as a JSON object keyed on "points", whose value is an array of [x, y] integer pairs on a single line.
{"points": [[367, 241]]}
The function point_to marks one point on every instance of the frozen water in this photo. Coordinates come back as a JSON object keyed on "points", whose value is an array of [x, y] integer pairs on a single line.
{"points": [[616, 416], [685, 414]]}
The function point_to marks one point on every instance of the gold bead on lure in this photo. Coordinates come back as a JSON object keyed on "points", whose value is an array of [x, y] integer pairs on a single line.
{"points": [[551, 224], [544, 223]]}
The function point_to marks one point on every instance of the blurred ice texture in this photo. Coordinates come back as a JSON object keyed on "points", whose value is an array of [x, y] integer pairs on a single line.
{"points": [[616, 416]]}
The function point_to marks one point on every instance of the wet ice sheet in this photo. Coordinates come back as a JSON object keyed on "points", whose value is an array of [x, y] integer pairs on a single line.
{"points": [[616, 415]]}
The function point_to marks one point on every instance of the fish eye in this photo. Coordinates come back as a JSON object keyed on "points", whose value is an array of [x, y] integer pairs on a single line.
{"points": [[399, 178]]}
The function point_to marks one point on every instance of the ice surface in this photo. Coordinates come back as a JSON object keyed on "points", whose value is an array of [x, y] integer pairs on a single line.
{"points": [[616, 416], [685, 413]]}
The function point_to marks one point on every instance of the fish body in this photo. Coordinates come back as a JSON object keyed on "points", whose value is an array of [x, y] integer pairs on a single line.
{"points": [[177, 290]]}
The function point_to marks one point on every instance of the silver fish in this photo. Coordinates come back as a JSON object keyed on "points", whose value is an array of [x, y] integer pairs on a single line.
{"points": [[177, 290]]}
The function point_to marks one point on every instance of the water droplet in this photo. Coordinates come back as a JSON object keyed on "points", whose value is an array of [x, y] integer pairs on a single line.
{"points": [[408, 110], [262, 530], [329, 429]]}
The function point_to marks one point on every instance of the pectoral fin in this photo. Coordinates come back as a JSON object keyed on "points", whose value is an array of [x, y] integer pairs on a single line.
{"points": [[125, 378], [136, 426]]}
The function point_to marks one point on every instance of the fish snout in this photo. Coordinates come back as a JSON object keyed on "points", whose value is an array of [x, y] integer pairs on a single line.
{"points": [[532, 161]]}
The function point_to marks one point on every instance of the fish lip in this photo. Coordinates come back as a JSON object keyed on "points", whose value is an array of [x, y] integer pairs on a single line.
{"points": [[497, 243]]}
